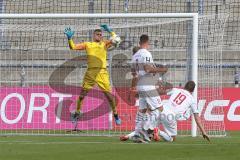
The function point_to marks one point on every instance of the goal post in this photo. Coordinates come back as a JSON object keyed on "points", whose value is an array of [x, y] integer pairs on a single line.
{"points": [[195, 67], [19, 54]]}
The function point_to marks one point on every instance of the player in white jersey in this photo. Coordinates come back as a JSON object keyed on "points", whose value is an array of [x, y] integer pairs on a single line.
{"points": [[144, 80], [177, 107]]}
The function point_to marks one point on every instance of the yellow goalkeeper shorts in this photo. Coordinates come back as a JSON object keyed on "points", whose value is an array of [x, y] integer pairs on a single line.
{"points": [[97, 76]]}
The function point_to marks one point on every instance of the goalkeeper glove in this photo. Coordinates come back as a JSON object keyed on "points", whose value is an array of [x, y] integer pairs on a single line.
{"points": [[69, 32], [106, 28]]}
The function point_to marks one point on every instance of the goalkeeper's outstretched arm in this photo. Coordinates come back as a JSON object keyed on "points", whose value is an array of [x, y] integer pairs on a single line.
{"points": [[105, 27], [115, 39], [69, 33]]}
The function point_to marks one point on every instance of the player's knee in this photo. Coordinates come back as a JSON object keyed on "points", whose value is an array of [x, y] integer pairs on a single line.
{"points": [[160, 108], [108, 94], [82, 95], [142, 110]]}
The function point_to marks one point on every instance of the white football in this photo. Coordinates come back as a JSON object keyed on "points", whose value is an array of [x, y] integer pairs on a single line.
{"points": [[116, 40]]}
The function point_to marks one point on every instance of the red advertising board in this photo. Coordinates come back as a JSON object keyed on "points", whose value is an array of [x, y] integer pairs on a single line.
{"points": [[41, 106]]}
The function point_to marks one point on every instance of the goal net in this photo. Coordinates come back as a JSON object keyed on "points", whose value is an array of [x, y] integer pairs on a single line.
{"points": [[41, 77]]}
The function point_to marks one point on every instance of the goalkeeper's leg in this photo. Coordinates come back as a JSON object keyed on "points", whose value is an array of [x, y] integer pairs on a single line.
{"points": [[88, 83], [104, 83], [112, 103], [80, 99], [77, 113]]}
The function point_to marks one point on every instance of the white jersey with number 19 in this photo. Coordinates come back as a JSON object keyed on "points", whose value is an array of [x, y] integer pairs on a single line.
{"points": [[181, 101]]}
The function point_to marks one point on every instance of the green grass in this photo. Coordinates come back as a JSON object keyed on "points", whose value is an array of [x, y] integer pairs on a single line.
{"points": [[110, 148]]}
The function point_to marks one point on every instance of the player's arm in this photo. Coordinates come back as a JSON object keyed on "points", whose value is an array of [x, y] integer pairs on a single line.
{"points": [[164, 88], [134, 79], [79, 46], [69, 33], [149, 66], [108, 43], [200, 126], [133, 90], [114, 37], [134, 82], [152, 69]]}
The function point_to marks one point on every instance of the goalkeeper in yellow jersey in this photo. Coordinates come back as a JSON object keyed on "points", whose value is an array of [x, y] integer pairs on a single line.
{"points": [[97, 66]]}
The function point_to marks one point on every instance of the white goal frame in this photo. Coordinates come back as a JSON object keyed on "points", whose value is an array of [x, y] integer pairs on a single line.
{"points": [[194, 48]]}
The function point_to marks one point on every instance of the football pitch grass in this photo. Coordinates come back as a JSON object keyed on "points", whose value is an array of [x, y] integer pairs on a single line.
{"points": [[110, 148]]}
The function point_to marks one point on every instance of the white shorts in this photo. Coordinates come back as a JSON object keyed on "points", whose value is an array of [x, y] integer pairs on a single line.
{"points": [[169, 122], [149, 99]]}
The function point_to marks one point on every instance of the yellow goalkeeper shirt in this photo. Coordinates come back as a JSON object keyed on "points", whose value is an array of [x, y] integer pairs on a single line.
{"points": [[96, 52]]}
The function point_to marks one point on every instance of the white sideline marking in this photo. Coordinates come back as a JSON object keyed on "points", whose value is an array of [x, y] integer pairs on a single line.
{"points": [[120, 143], [36, 142]]}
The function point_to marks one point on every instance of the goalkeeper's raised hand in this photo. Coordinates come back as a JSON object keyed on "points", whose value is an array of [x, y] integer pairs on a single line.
{"points": [[69, 32], [105, 27]]}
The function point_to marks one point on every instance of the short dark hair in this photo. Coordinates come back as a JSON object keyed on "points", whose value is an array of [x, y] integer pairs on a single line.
{"points": [[97, 30], [189, 86], [135, 49], [143, 39]]}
